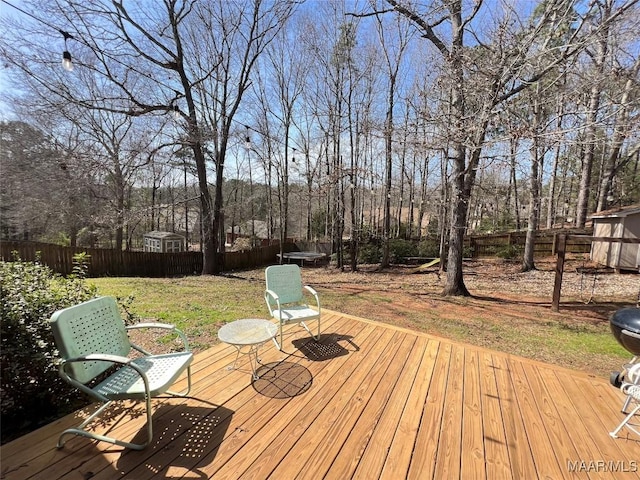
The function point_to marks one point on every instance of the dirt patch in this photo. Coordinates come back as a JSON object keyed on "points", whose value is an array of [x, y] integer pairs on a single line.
{"points": [[508, 311]]}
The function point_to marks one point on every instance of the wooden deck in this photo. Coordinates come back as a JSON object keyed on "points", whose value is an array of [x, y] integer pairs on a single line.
{"points": [[369, 401]]}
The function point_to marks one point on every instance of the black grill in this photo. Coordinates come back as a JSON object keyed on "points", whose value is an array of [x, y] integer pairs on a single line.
{"points": [[625, 326]]}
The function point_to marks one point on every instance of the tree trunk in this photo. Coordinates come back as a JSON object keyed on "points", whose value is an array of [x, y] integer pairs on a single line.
{"points": [[534, 208], [551, 206], [454, 284], [619, 134], [534, 189], [388, 130], [591, 118]]}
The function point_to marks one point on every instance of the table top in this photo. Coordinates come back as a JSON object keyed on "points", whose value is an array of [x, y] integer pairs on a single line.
{"points": [[247, 331]]}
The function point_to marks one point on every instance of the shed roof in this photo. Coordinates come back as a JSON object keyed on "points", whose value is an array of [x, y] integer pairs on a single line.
{"points": [[160, 234], [617, 212]]}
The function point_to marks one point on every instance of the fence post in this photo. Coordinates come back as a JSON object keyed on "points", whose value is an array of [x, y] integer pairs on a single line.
{"points": [[559, 246]]}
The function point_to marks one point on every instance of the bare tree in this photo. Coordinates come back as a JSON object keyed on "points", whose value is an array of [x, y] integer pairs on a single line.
{"points": [[621, 129], [603, 10], [502, 64], [191, 58], [393, 52], [288, 72]]}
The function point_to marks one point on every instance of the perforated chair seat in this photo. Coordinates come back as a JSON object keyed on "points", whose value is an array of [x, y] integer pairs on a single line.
{"points": [[295, 313], [162, 371]]}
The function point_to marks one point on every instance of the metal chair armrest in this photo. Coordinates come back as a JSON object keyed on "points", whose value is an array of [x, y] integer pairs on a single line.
{"points": [[98, 357], [631, 389], [270, 296], [313, 292], [93, 357], [162, 326]]}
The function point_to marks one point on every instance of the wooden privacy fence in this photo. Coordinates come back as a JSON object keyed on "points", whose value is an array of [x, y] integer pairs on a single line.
{"points": [[119, 263], [490, 245]]}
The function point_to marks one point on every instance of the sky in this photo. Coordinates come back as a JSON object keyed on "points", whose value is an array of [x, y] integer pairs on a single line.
{"points": [[6, 112]]}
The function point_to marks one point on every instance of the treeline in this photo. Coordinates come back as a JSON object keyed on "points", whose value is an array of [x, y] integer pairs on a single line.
{"points": [[328, 120]]}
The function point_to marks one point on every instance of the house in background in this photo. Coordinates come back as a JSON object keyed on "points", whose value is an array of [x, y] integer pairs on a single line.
{"points": [[622, 222], [163, 242], [257, 231]]}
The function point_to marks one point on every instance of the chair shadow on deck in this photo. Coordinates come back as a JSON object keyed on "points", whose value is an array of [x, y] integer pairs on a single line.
{"points": [[327, 348], [186, 438]]}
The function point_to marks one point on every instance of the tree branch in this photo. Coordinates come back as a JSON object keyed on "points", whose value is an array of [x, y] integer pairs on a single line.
{"points": [[429, 34]]}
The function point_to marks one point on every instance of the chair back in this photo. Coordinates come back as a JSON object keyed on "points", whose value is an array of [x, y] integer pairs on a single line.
{"points": [[90, 327], [285, 281]]}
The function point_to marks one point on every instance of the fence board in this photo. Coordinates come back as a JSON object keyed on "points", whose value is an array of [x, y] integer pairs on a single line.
{"points": [[106, 262], [489, 245]]}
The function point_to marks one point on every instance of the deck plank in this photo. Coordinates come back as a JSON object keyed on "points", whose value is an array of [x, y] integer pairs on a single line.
{"points": [[367, 401], [547, 465], [473, 455], [376, 454], [520, 456], [380, 415], [496, 449], [330, 430], [398, 460], [449, 451], [425, 447]]}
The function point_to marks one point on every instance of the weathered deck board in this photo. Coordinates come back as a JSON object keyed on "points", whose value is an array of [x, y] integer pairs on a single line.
{"points": [[368, 401]]}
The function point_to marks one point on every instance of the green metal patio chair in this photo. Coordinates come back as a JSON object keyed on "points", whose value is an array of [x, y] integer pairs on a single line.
{"points": [[286, 299], [631, 388], [92, 339]]}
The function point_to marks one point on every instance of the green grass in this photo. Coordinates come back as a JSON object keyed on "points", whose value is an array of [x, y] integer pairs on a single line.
{"points": [[191, 303], [199, 305]]}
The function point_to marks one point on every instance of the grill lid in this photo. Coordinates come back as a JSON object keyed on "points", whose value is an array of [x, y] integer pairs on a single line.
{"points": [[627, 319]]}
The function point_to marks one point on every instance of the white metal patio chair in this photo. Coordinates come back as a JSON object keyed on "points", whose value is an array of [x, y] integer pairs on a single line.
{"points": [[92, 338], [631, 388], [286, 297]]}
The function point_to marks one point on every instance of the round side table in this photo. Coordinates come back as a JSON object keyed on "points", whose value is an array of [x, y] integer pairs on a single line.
{"points": [[247, 335]]}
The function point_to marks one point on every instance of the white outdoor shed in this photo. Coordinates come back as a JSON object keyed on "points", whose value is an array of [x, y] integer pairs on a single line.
{"points": [[618, 223], [163, 242]]}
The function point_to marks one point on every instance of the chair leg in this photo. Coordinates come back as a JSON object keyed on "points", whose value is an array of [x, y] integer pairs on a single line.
{"points": [[188, 389], [278, 345], [304, 325], [315, 337], [626, 423], [80, 430]]}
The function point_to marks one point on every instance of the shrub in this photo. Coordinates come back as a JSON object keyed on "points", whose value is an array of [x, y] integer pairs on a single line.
{"points": [[509, 252], [429, 248], [369, 253], [31, 391], [400, 248]]}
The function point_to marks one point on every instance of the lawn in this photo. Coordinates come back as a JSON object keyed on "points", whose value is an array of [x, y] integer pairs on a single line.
{"points": [[508, 311]]}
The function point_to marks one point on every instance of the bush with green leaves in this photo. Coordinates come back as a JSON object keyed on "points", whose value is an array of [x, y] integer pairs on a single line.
{"points": [[509, 252], [429, 248], [400, 248], [31, 392], [369, 253]]}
